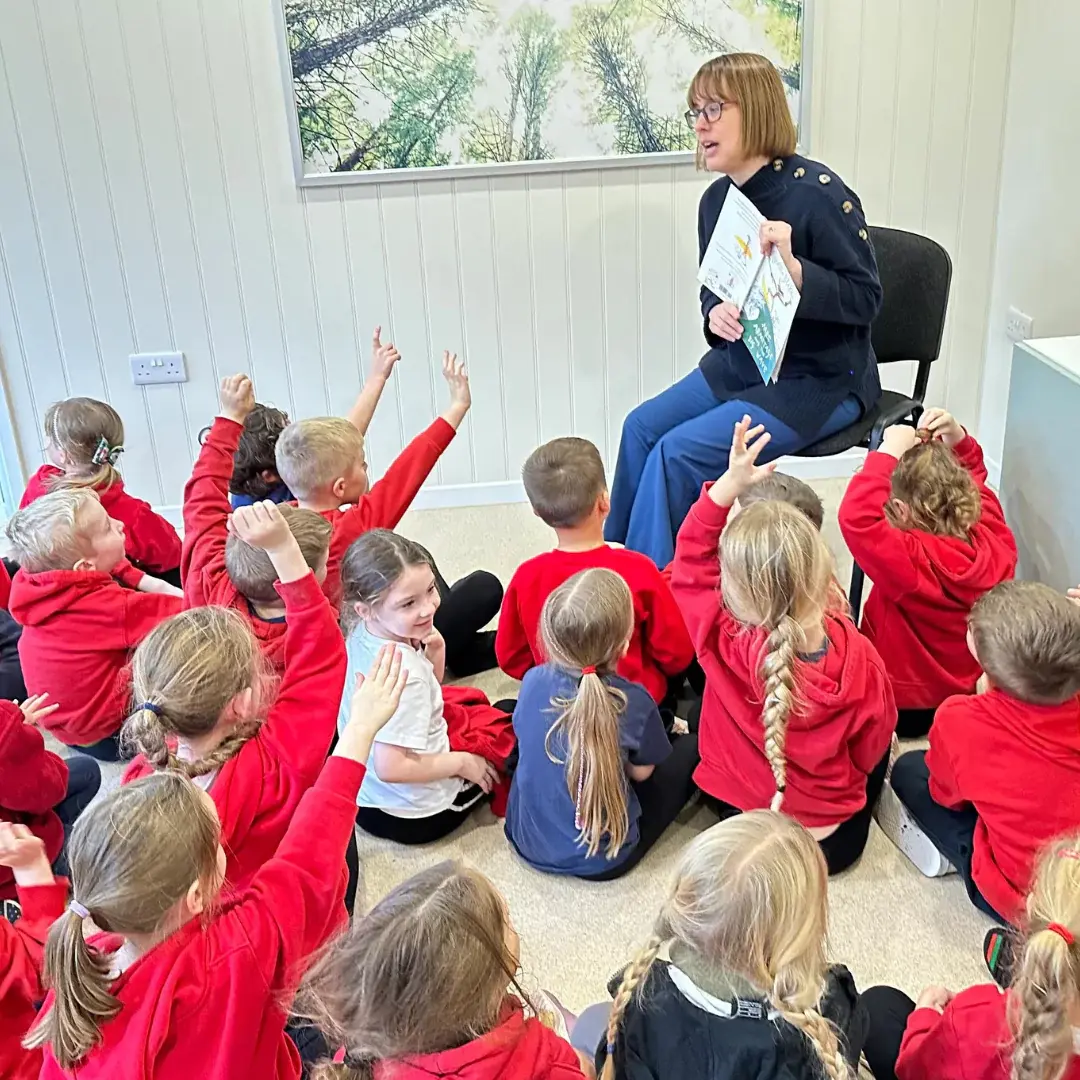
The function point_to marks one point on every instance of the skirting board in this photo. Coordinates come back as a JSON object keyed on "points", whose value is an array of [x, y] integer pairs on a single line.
{"points": [[451, 496]]}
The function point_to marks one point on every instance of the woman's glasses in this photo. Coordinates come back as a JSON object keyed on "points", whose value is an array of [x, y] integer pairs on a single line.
{"points": [[712, 112]]}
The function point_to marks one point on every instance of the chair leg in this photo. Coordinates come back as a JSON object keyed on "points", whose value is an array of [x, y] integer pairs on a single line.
{"points": [[855, 591]]}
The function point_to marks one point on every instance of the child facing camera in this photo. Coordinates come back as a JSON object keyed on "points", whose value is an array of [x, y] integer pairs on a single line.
{"points": [[597, 781], [84, 439], [921, 521], [798, 713]]}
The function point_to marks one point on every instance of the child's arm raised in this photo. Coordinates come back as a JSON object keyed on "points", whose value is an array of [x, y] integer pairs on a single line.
{"points": [[887, 554], [33, 779], [206, 494], [301, 722], [383, 359]]}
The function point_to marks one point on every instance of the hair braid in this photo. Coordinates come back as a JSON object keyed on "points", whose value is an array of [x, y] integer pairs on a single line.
{"points": [[1039, 1008], [632, 978], [822, 1036], [778, 671], [225, 750]]}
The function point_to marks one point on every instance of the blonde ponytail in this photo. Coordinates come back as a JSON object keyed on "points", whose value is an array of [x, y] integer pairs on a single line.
{"points": [[633, 978], [778, 671]]}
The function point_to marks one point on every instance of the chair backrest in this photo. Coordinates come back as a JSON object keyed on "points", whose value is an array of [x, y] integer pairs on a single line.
{"points": [[915, 274]]}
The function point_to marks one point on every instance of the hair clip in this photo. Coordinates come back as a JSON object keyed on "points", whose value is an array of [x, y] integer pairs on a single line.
{"points": [[104, 454], [77, 909], [1062, 932]]}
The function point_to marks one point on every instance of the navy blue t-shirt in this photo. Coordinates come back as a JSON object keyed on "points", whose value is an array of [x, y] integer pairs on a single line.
{"points": [[540, 814]]}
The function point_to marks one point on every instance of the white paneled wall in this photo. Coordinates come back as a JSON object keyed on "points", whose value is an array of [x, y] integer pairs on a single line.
{"points": [[147, 202]]}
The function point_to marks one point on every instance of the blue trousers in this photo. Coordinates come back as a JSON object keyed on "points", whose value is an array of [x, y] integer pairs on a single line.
{"points": [[674, 442]]}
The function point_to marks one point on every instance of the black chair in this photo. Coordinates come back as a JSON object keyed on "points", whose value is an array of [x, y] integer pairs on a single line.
{"points": [[915, 276]]}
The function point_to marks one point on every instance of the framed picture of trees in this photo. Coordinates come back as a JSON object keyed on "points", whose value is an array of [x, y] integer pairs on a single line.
{"points": [[396, 89]]}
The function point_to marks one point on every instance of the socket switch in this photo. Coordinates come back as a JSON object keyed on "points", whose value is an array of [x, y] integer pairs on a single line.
{"points": [[148, 369], [1018, 326]]}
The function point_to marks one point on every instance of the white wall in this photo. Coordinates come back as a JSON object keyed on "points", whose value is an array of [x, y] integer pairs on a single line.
{"points": [[147, 202], [1038, 223]]}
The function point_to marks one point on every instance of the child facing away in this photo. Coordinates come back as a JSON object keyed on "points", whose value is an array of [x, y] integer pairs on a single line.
{"points": [[798, 712], [733, 982], [219, 567], [1002, 775], [921, 521], [83, 608], [564, 480], [418, 988], [205, 704], [22, 945], [84, 439], [185, 980], [39, 790], [445, 747], [597, 781], [1026, 1033]]}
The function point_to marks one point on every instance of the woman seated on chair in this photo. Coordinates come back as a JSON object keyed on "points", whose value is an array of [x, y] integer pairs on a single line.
{"points": [[828, 379]]}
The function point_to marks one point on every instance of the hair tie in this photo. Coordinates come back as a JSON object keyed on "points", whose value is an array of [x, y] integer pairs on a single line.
{"points": [[610, 1049], [588, 669], [1069, 853], [1062, 932], [77, 909], [149, 706]]}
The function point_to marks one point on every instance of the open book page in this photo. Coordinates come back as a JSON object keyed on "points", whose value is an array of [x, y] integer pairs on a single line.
{"points": [[768, 314], [733, 257]]}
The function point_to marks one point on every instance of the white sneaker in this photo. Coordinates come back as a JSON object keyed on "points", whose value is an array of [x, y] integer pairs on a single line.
{"points": [[900, 827]]}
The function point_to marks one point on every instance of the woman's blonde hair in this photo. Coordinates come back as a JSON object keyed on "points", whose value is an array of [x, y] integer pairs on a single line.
{"points": [[49, 533], [586, 622], [940, 494], [91, 435], [766, 128], [777, 574], [134, 855], [184, 674], [749, 897], [426, 970], [1046, 985]]}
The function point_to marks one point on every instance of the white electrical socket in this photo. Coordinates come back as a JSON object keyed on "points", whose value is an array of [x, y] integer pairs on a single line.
{"points": [[1018, 326], [148, 369]]}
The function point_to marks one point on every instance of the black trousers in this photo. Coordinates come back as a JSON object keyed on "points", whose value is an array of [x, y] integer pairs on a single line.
{"points": [[889, 1010], [84, 779], [352, 863], [661, 798], [424, 830], [107, 749], [845, 846], [914, 723], [465, 608]]}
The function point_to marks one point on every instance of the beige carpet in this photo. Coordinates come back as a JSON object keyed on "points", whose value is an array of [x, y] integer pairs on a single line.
{"points": [[888, 923]]}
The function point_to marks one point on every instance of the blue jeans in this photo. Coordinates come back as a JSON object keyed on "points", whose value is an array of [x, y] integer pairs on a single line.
{"points": [[674, 442]]}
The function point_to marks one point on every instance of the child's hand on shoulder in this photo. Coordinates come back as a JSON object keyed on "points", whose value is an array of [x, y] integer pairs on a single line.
{"points": [[34, 709], [237, 397], [743, 471], [942, 425], [898, 440], [24, 853], [261, 525], [374, 701], [383, 357], [457, 379]]}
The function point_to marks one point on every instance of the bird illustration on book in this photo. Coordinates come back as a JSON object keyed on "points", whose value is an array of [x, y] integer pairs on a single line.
{"points": [[744, 246]]}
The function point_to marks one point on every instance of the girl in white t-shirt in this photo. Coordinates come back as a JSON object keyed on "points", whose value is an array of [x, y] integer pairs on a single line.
{"points": [[416, 788]]}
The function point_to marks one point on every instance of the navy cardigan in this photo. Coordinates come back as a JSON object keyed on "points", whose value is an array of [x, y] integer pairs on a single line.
{"points": [[828, 355]]}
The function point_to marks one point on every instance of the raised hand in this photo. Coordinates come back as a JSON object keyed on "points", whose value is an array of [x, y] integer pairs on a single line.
{"points": [[898, 440], [261, 525], [942, 425], [460, 395], [383, 357], [237, 397], [374, 701]]}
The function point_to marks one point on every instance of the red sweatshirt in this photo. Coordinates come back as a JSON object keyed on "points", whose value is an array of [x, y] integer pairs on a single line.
{"points": [[206, 511], [924, 585], [22, 953], [518, 1049], [206, 1004], [5, 587], [660, 647], [257, 792], [1019, 766], [842, 729], [32, 781], [385, 504], [970, 1040], [149, 539], [79, 627]]}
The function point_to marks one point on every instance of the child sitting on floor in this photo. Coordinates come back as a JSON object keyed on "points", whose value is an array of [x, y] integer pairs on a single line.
{"points": [[219, 567], [920, 520], [84, 439], [183, 979], [204, 704], [38, 788], [597, 782], [418, 988], [1002, 775], [22, 945], [83, 608], [798, 712], [745, 989], [1026, 1033], [564, 480], [445, 747]]}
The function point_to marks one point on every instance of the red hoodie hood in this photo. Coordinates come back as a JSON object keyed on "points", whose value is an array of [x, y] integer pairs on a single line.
{"points": [[965, 569], [36, 598], [518, 1049]]}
